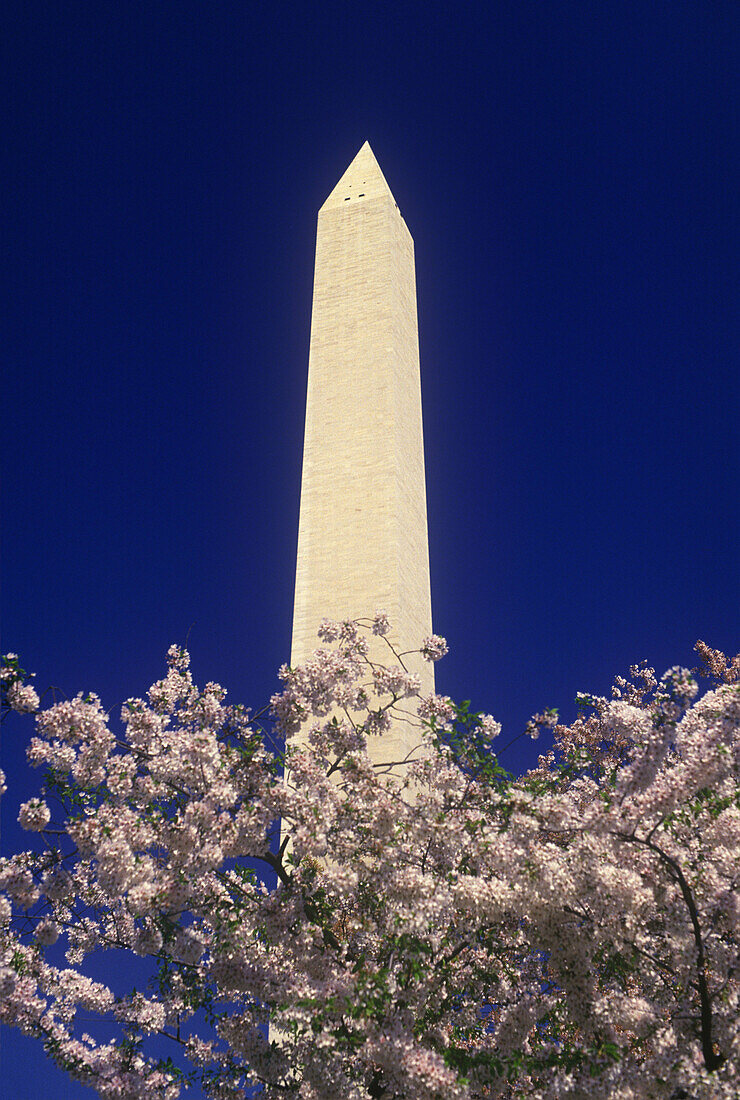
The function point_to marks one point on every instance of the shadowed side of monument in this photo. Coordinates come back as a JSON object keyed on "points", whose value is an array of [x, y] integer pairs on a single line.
{"points": [[362, 541]]}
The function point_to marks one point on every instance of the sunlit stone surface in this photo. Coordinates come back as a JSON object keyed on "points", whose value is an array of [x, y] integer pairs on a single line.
{"points": [[362, 542]]}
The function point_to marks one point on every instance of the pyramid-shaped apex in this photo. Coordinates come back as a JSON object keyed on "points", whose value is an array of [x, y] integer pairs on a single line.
{"points": [[362, 180]]}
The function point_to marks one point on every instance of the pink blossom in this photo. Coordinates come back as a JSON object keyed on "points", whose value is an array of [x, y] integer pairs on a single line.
{"points": [[395, 681], [381, 623], [434, 648], [452, 934], [439, 709], [489, 726], [22, 698], [47, 932], [34, 815], [7, 981]]}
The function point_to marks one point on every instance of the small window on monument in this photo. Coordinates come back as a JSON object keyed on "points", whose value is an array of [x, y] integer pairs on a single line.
{"points": [[361, 195], [347, 199]]}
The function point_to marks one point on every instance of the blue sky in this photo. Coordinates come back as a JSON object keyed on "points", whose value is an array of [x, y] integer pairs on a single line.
{"points": [[569, 174]]}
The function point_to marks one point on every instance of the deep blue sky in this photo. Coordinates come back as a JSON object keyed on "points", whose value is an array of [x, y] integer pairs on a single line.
{"points": [[569, 173]]}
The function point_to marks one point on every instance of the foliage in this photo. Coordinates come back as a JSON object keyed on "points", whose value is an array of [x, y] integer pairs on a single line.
{"points": [[445, 931]]}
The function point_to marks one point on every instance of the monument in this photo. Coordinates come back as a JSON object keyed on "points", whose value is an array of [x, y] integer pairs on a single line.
{"points": [[362, 539]]}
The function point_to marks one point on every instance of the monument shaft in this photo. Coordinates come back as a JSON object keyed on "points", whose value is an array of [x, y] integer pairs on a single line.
{"points": [[362, 542]]}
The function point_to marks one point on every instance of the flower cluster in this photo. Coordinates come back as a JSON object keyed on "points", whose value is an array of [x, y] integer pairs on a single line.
{"points": [[381, 624], [34, 815], [16, 695], [434, 648], [451, 932]]}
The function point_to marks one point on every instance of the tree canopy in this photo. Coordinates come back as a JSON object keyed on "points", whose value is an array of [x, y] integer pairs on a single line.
{"points": [[436, 930]]}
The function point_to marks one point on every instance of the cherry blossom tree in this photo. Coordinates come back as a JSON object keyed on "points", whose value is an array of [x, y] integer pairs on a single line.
{"points": [[442, 931]]}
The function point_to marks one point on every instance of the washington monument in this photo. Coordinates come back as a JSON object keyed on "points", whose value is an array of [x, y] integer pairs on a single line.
{"points": [[362, 539]]}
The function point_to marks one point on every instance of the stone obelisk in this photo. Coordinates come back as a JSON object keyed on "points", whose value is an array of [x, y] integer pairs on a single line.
{"points": [[362, 540]]}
